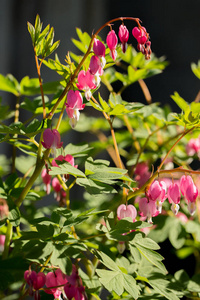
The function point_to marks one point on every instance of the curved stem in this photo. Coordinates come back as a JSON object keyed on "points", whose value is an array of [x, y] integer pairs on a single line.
{"points": [[186, 132], [84, 58]]}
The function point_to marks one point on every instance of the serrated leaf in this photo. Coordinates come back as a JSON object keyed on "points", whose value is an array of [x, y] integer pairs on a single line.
{"points": [[152, 256], [180, 102], [160, 286]]}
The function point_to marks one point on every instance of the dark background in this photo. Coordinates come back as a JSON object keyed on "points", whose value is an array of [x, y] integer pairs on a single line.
{"points": [[174, 28]]}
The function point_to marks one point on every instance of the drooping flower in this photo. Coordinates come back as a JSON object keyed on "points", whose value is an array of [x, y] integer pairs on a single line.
{"points": [[174, 197], [86, 82], [148, 209], [74, 288], [157, 193], [191, 194], [35, 281], [123, 36], [55, 282], [142, 37], [112, 41], [51, 140], [46, 178], [124, 211], [142, 173], [73, 105], [185, 181], [99, 48]]}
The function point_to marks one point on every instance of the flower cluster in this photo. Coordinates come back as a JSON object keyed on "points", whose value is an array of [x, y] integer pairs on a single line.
{"points": [[52, 139], [151, 205], [90, 79], [55, 283], [142, 37]]}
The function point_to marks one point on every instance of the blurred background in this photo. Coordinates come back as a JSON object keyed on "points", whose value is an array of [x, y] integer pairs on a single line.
{"points": [[173, 26]]}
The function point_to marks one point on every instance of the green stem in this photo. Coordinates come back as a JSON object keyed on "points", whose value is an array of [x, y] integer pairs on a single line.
{"points": [[36, 173], [7, 240]]}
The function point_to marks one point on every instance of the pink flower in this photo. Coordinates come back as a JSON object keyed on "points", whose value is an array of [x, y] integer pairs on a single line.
{"points": [[74, 287], [142, 173], [174, 197], [112, 41], [2, 242], [193, 147], [35, 281], [182, 217], [99, 48], [4, 209], [157, 190], [191, 194], [86, 82], [185, 181], [56, 185], [142, 37], [53, 282], [148, 209], [123, 36], [51, 140], [73, 105], [47, 180], [124, 211]]}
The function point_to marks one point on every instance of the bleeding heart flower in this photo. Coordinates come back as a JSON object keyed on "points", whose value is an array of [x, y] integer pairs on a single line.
{"points": [[73, 105], [124, 211], [123, 36], [112, 41], [51, 140]]}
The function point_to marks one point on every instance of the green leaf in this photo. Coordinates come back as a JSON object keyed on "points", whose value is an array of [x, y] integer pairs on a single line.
{"points": [[177, 234], [31, 30], [196, 69], [180, 102], [160, 286], [104, 104], [135, 75], [95, 187], [38, 28], [14, 216], [116, 280], [77, 150], [9, 84], [66, 168]]}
